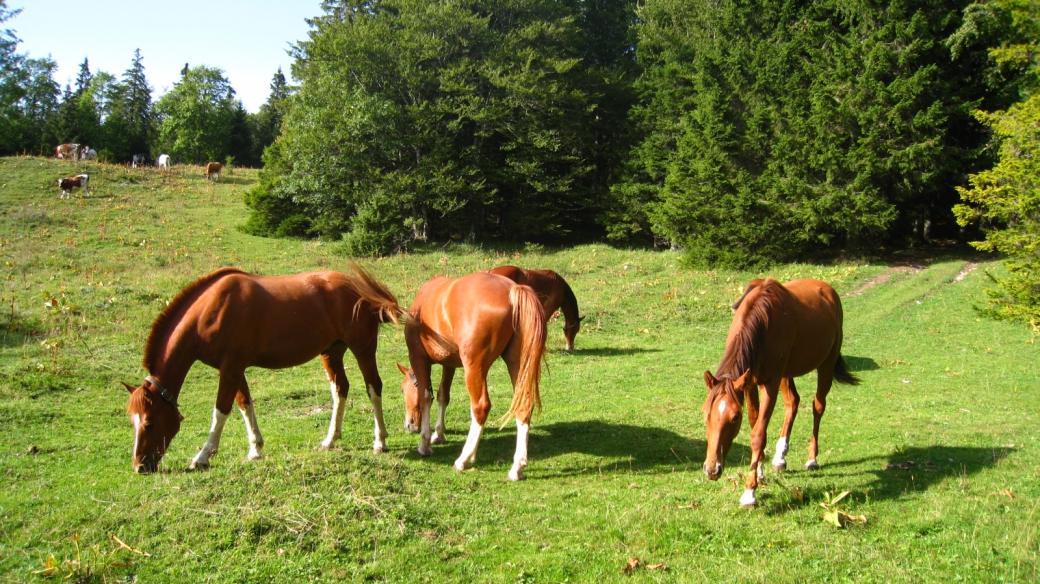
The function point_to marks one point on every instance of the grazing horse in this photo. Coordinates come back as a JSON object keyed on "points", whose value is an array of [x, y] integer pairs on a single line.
{"points": [[779, 332], [213, 169], [138, 159], [231, 320], [554, 294], [163, 161], [470, 322]]}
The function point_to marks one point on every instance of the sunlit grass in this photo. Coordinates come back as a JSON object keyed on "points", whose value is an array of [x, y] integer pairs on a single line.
{"points": [[614, 457]]}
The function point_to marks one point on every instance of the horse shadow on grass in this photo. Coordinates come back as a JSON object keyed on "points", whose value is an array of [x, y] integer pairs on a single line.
{"points": [[896, 475], [860, 363], [607, 352], [610, 447]]}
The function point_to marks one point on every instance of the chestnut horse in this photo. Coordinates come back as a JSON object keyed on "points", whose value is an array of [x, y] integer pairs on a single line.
{"points": [[779, 332], [554, 294], [231, 320], [470, 322]]}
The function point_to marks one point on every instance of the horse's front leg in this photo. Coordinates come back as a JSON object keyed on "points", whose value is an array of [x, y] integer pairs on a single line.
{"points": [[366, 359], [758, 443], [443, 397], [339, 387], [225, 397], [421, 369], [791, 401]]}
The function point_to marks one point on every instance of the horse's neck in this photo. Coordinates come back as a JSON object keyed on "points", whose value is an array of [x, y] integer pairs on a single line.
{"points": [[740, 351], [171, 363], [570, 309]]}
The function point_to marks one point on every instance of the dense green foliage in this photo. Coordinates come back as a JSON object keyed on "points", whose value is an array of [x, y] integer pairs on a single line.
{"points": [[1006, 198], [419, 120], [774, 128], [938, 444]]}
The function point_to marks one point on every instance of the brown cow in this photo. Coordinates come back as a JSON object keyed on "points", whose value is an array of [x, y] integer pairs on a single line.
{"points": [[213, 168], [63, 151], [67, 184]]}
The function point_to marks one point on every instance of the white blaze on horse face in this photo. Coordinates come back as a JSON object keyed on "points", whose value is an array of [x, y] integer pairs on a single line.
{"points": [[336, 423], [137, 432], [380, 426], [520, 458], [722, 406], [469, 450]]}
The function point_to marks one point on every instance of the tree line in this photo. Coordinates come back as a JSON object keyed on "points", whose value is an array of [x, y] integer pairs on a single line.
{"points": [[198, 120]]}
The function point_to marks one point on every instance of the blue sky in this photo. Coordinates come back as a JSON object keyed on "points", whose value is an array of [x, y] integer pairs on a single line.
{"points": [[247, 39]]}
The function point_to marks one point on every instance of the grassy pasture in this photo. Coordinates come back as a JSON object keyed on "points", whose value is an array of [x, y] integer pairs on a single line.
{"points": [[614, 457]]}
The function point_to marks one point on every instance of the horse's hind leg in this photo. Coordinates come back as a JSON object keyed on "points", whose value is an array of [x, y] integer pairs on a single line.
{"points": [[339, 387], [229, 384], [791, 400], [480, 405], [523, 424], [443, 397], [366, 359], [823, 386], [245, 405]]}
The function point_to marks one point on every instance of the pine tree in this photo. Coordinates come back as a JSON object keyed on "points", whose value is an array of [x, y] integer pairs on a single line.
{"points": [[137, 106], [84, 77]]}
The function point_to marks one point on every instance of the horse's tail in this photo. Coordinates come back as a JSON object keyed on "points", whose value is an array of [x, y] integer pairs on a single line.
{"points": [[842, 374], [529, 324], [374, 292]]}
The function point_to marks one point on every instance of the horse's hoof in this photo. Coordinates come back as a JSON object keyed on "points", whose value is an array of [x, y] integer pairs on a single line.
{"points": [[324, 447], [516, 476], [781, 467], [254, 456], [437, 439], [380, 448], [194, 466], [812, 465], [425, 451], [748, 498]]}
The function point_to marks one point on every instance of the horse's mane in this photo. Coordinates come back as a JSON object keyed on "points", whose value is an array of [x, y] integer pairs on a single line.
{"points": [[374, 292], [176, 306], [568, 294], [742, 353]]}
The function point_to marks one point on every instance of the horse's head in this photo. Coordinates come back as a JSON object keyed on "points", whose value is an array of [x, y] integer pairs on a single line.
{"points": [[570, 330], [156, 421], [723, 411], [412, 406]]}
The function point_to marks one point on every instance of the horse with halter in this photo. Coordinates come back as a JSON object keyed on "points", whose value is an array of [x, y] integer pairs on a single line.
{"points": [[553, 292], [470, 322], [231, 320], [778, 332]]}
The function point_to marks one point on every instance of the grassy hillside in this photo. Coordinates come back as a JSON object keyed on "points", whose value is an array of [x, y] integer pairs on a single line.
{"points": [[614, 458]]}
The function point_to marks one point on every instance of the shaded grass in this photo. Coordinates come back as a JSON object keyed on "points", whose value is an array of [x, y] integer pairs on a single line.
{"points": [[615, 456]]}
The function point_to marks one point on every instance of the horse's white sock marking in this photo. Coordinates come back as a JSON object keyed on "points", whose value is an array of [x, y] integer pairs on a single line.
{"points": [[212, 442], [469, 450], [256, 441], [759, 471], [722, 407], [336, 423], [520, 459], [748, 498], [811, 464], [377, 412], [439, 430], [781, 451]]}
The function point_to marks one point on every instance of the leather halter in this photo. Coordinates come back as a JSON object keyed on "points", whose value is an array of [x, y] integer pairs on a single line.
{"points": [[163, 392]]}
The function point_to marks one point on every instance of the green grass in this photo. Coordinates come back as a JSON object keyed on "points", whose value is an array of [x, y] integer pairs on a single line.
{"points": [[614, 457]]}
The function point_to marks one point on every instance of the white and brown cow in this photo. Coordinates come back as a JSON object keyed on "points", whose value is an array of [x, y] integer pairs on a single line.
{"points": [[213, 169], [68, 183], [66, 151]]}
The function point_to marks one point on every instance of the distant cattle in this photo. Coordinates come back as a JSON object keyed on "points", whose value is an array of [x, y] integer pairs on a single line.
{"points": [[164, 161], [138, 159], [213, 169], [67, 184], [66, 151], [88, 153]]}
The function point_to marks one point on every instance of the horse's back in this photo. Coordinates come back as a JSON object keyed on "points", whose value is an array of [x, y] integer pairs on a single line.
{"points": [[817, 323], [472, 313]]}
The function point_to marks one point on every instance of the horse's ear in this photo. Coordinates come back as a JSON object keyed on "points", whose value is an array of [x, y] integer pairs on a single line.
{"points": [[709, 379], [180, 417], [581, 318], [128, 387], [402, 369], [739, 382]]}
